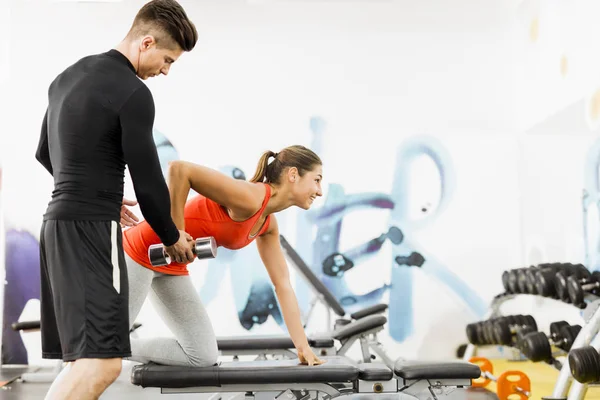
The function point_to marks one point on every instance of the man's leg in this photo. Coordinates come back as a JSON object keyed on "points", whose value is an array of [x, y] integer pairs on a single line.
{"points": [[86, 268], [74, 381], [51, 347]]}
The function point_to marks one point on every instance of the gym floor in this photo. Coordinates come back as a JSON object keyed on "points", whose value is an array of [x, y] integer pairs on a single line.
{"points": [[542, 377]]}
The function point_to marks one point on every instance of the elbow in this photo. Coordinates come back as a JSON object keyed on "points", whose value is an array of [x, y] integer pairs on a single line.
{"points": [[177, 171], [282, 286]]}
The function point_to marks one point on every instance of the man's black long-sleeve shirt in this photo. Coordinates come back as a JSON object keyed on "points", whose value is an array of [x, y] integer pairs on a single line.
{"points": [[99, 119]]}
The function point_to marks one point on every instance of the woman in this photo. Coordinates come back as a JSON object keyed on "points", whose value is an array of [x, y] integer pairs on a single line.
{"points": [[235, 213]]}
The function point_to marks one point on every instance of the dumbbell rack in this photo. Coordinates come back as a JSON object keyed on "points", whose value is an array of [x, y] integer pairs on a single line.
{"points": [[589, 335]]}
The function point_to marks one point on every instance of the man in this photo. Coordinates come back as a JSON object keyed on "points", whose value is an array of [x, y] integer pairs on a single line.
{"points": [[99, 119]]}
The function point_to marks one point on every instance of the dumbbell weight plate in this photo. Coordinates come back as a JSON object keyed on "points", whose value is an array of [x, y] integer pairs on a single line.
{"points": [[488, 331], [530, 275], [472, 335], [158, 256], [530, 281], [530, 321], [595, 278], [506, 319], [513, 319], [544, 283], [522, 279], [523, 331], [560, 285], [513, 280], [505, 282], [574, 290], [536, 347], [480, 335], [584, 363], [569, 334], [205, 247], [502, 333], [555, 328], [526, 320]]}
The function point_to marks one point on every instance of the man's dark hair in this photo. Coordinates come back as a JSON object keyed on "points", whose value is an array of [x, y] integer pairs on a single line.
{"points": [[168, 22]]}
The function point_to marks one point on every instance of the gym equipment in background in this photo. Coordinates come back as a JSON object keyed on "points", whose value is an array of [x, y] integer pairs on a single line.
{"points": [[508, 384]]}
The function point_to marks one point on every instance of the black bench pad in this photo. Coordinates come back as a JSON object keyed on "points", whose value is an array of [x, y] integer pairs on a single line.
{"points": [[336, 369], [375, 309], [255, 342], [374, 372], [412, 369], [321, 342], [359, 326]]}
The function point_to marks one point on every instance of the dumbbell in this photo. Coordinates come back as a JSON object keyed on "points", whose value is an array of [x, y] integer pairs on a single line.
{"points": [[536, 346], [510, 280], [482, 332], [508, 333], [544, 279], [205, 247], [584, 363], [522, 280], [508, 384], [513, 281], [560, 280], [529, 275], [578, 287], [497, 335], [477, 333]]}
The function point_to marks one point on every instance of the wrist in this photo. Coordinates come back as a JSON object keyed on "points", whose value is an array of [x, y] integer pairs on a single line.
{"points": [[304, 347]]}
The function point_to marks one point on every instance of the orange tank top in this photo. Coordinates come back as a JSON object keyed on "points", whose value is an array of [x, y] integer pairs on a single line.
{"points": [[203, 217]]}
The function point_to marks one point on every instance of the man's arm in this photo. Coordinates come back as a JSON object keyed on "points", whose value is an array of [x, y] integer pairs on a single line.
{"points": [[137, 119], [43, 152]]}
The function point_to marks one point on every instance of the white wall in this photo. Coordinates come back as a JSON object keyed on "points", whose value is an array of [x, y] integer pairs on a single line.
{"points": [[555, 62]]}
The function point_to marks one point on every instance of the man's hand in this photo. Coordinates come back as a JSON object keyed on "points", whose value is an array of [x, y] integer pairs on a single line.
{"points": [[127, 217], [306, 356], [181, 251]]}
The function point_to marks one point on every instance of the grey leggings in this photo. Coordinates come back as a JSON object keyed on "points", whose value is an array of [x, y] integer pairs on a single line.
{"points": [[178, 303]]}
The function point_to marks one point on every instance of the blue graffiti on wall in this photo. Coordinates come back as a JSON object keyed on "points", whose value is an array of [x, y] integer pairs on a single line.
{"points": [[22, 264], [330, 263]]}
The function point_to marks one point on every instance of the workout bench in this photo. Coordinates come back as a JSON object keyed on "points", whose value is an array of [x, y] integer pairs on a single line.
{"points": [[286, 379]]}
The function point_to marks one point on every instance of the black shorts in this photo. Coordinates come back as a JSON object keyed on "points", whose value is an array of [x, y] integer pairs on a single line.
{"points": [[85, 292]]}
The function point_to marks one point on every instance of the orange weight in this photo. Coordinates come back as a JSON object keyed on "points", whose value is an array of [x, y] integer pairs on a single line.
{"points": [[485, 365], [513, 383]]}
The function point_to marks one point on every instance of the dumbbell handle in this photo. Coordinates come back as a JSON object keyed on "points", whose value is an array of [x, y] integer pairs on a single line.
{"points": [[588, 286], [205, 247], [487, 375]]}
